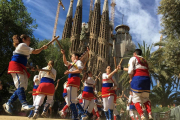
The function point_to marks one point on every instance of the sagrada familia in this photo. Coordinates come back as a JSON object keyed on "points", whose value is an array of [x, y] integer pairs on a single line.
{"points": [[98, 35]]}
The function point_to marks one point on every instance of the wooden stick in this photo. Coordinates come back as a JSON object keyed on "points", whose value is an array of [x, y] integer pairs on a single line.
{"points": [[120, 61], [115, 62], [37, 66], [98, 76], [52, 41], [31, 92], [58, 43]]}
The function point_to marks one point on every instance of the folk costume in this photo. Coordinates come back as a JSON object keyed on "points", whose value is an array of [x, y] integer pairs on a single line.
{"points": [[88, 95], [132, 110], [45, 88], [108, 96], [73, 85], [18, 71], [140, 84], [97, 107], [63, 112], [34, 94]]}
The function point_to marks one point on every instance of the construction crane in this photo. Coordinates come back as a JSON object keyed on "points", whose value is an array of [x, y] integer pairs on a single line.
{"points": [[57, 16], [113, 4]]}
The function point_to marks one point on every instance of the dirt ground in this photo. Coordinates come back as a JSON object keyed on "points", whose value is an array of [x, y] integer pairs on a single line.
{"points": [[2, 117]]}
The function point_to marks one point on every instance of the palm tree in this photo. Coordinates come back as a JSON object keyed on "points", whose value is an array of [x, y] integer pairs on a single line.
{"points": [[166, 93]]}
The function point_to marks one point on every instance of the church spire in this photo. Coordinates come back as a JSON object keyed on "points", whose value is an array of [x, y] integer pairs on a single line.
{"points": [[97, 1], [103, 37], [70, 11], [105, 7], [68, 23], [93, 38], [76, 28], [79, 3]]}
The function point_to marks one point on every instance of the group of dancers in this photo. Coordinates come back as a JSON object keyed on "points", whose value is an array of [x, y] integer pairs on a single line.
{"points": [[44, 85]]}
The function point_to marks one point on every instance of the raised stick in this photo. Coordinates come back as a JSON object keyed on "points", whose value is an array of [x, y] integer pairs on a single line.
{"points": [[120, 61], [115, 62], [58, 43], [52, 41], [98, 76]]}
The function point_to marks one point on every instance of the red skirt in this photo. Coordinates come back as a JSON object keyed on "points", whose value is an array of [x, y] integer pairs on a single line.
{"points": [[74, 81], [15, 67], [87, 95], [106, 93], [34, 92], [46, 89]]}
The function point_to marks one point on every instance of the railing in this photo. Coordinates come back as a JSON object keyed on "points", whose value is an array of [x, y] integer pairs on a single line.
{"points": [[173, 114]]}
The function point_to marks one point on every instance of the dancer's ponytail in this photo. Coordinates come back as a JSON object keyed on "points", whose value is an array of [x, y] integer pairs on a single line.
{"points": [[50, 65]]}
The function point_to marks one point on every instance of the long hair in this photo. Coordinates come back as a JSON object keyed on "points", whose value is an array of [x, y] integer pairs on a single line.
{"points": [[50, 65], [17, 40]]}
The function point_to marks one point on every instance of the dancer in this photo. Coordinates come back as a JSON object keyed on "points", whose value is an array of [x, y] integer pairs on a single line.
{"points": [[88, 93], [75, 68], [95, 110], [108, 86], [140, 83], [46, 88], [34, 94], [17, 68], [132, 110], [63, 113], [52, 103]]}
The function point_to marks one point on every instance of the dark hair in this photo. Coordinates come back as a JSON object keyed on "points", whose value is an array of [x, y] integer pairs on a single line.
{"points": [[78, 55], [86, 75], [17, 40], [108, 66], [138, 52], [23, 36]]}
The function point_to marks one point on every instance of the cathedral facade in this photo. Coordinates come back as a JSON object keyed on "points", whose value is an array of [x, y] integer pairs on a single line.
{"points": [[98, 35]]}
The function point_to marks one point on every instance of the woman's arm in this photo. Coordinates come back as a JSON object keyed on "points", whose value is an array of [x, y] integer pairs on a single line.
{"points": [[37, 51], [112, 73], [57, 84], [64, 57]]}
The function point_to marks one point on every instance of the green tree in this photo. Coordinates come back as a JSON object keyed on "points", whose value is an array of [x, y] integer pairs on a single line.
{"points": [[170, 11]]}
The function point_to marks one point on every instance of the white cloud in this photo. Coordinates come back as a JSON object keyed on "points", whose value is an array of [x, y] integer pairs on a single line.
{"points": [[45, 12], [143, 25]]}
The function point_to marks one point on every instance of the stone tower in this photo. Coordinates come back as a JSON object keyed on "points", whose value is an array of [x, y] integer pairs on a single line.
{"points": [[123, 47], [93, 38], [68, 23], [103, 38], [76, 28]]}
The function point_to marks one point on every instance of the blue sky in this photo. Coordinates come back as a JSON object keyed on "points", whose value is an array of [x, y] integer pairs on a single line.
{"points": [[140, 15]]}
